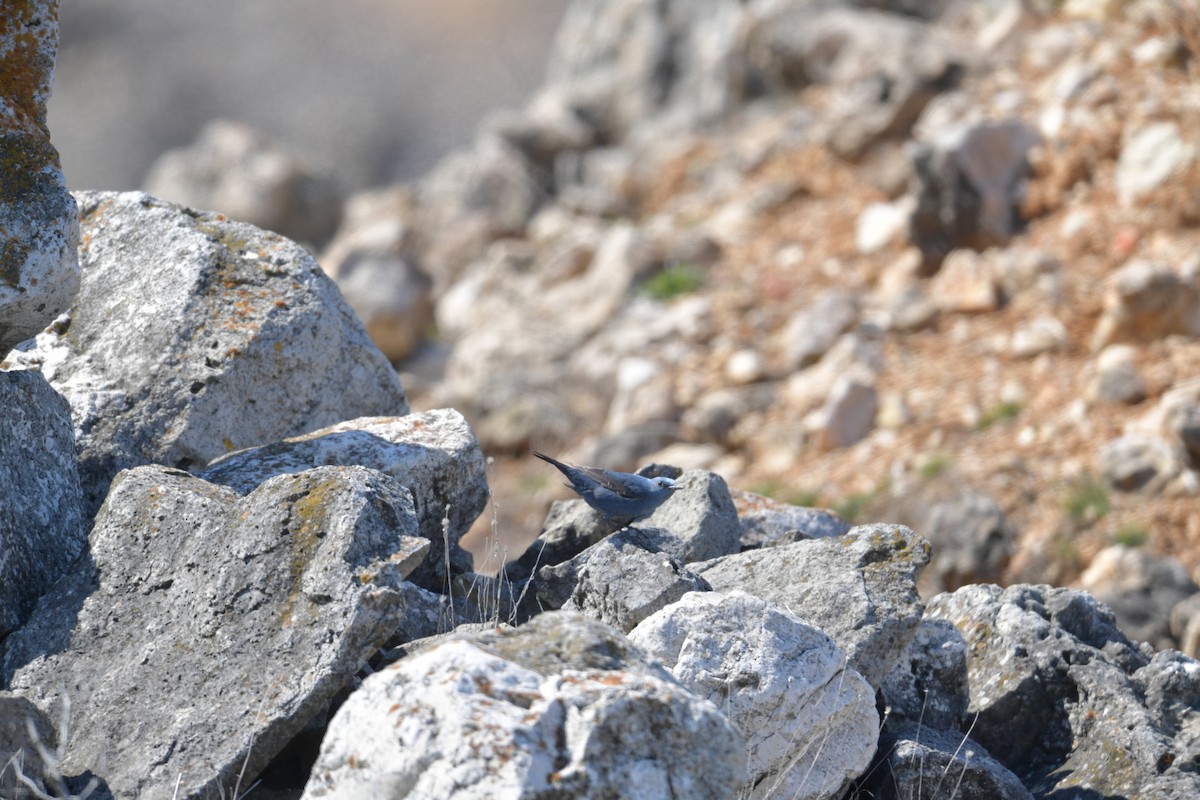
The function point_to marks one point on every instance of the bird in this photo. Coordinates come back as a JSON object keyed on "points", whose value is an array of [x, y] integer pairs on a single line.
{"points": [[621, 497]]}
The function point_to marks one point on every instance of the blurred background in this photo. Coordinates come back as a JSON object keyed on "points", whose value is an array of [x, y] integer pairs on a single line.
{"points": [[369, 91]]}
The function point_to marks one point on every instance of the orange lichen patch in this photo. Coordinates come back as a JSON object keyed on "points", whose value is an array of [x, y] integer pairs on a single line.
{"points": [[30, 31]]}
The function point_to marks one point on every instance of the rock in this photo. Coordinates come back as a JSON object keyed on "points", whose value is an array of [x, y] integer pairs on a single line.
{"points": [[1042, 334], [879, 225], [972, 540], [967, 184], [813, 330], [1138, 463], [1141, 589], [849, 411], [562, 706], [910, 309], [859, 588], [808, 719], [966, 283], [621, 580], [42, 524], [571, 527], [373, 260], [237, 171], [1117, 379], [1184, 625], [23, 729], [1058, 691], [767, 522], [929, 684], [472, 198], [39, 272], [701, 513], [644, 394], [1182, 424], [628, 65], [1149, 158], [886, 68], [918, 760], [433, 454], [745, 366], [1146, 301], [715, 416], [193, 336], [255, 610]]}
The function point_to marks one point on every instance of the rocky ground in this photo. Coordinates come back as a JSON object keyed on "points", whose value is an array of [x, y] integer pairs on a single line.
{"points": [[930, 265], [1010, 370]]}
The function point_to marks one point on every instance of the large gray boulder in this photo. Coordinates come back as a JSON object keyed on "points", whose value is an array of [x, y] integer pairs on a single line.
{"points": [[39, 271], [808, 718], [561, 707], [42, 526], [434, 454], [701, 513], [860, 588], [194, 335], [1061, 697], [202, 630]]}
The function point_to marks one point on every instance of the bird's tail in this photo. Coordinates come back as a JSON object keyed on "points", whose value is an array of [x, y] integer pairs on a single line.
{"points": [[553, 461]]}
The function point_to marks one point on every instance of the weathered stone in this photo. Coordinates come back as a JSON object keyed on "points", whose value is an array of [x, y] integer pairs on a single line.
{"points": [[563, 706], [433, 454], [193, 336], [808, 718], [571, 527], [201, 630], [237, 171], [767, 522], [919, 760], [715, 416], [1141, 589], [1064, 701], [23, 728], [1117, 378], [813, 330], [621, 580], [701, 513], [42, 527], [886, 67], [966, 283], [929, 685], [967, 184], [1042, 334], [1149, 159], [972, 540], [848, 413], [39, 271], [1138, 463], [860, 588], [1146, 301], [373, 259]]}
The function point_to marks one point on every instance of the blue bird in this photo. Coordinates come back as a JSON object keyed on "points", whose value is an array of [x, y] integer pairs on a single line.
{"points": [[621, 497]]}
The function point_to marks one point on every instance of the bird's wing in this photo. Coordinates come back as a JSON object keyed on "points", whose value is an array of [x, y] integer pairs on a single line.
{"points": [[611, 481]]}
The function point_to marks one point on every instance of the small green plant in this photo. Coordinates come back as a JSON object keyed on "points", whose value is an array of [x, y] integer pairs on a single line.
{"points": [[1001, 412], [675, 280], [1131, 535], [933, 465], [1086, 501]]}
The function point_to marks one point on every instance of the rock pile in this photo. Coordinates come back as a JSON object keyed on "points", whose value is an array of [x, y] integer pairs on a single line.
{"points": [[275, 584]]}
